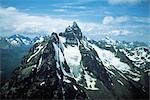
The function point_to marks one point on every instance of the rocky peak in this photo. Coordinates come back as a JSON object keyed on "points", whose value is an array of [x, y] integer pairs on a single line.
{"points": [[77, 30], [74, 30], [75, 25], [73, 34]]}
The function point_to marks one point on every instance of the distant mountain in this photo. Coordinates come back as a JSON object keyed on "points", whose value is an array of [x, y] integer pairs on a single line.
{"points": [[68, 66], [137, 52], [18, 40], [12, 49]]}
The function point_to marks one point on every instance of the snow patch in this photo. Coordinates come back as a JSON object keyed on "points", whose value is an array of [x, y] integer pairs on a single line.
{"points": [[38, 49], [40, 62], [62, 39], [66, 80], [91, 82], [73, 59], [134, 78], [59, 55], [14, 42], [26, 42], [75, 87], [108, 58], [42, 83], [111, 72], [58, 75], [120, 82]]}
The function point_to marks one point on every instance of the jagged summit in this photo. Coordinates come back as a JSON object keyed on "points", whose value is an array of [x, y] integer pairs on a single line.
{"points": [[73, 34], [74, 24], [77, 30], [74, 30]]}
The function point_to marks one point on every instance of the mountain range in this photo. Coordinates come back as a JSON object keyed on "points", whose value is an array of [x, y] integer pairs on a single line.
{"points": [[18, 40], [67, 65], [12, 50]]}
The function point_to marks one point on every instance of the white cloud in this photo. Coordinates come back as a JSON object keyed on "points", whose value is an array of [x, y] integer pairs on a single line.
{"points": [[70, 7], [11, 9], [114, 20], [121, 19], [120, 32], [13, 21], [59, 10], [125, 1], [115, 26], [141, 19], [108, 20]]}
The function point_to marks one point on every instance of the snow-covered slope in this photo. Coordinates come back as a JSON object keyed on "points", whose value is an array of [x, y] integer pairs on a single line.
{"points": [[138, 54], [108, 58]]}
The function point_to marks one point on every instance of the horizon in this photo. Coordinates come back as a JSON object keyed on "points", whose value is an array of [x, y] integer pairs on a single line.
{"points": [[121, 20], [106, 37]]}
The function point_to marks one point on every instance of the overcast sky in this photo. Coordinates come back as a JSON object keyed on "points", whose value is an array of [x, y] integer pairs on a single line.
{"points": [[119, 19]]}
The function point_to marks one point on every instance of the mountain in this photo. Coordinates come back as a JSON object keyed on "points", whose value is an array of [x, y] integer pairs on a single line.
{"points": [[12, 50], [68, 66], [14, 41], [137, 52], [18, 40]]}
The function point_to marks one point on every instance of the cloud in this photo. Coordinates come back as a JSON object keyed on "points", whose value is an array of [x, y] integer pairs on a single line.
{"points": [[124, 25], [11, 9], [120, 32], [141, 19], [65, 6], [114, 20], [59, 10], [108, 20], [13, 21], [125, 1]]}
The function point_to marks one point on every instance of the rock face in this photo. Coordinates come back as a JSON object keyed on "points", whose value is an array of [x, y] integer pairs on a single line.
{"points": [[40, 76], [73, 34], [67, 66], [77, 30]]}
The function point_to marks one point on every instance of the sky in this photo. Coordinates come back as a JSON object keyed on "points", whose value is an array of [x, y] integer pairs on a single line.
{"points": [[119, 19]]}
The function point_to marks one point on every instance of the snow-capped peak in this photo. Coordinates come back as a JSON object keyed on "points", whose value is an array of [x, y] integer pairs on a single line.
{"points": [[18, 40], [69, 64]]}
